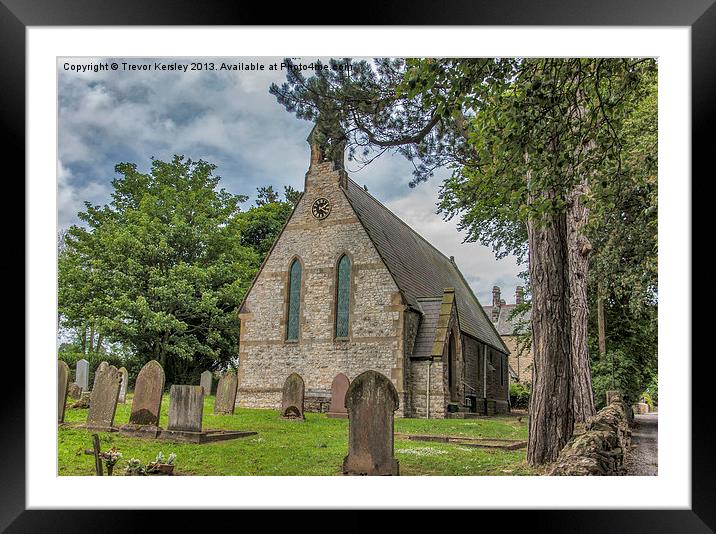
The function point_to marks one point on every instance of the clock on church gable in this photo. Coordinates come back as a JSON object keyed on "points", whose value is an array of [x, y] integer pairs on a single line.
{"points": [[321, 208]]}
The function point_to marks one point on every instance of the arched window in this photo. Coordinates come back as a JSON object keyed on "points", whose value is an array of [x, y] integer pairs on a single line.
{"points": [[294, 301], [343, 296]]}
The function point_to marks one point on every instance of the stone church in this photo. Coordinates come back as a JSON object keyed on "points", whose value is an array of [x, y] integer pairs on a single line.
{"points": [[348, 286]]}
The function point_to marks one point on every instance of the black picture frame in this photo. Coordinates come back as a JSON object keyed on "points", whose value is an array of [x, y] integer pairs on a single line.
{"points": [[699, 15]]}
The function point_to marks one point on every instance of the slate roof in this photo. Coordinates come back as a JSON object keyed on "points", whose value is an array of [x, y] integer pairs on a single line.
{"points": [[506, 326], [426, 332], [418, 268]]}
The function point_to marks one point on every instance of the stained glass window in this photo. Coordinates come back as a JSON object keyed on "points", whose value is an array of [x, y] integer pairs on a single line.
{"points": [[343, 296], [294, 300]]}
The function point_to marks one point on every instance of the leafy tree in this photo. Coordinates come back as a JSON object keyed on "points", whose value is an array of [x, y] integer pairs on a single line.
{"points": [[266, 195], [525, 139], [161, 269], [292, 195], [260, 225]]}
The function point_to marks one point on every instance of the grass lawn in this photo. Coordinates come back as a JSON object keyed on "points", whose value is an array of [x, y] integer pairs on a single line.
{"points": [[314, 447]]}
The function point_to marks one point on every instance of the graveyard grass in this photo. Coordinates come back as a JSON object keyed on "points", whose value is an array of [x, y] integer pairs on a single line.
{"points": [[316, 446]]}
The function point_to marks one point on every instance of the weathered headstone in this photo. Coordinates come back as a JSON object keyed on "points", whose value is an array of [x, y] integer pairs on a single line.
{"points": [[100, 368], [294, 392], [147, 399], [123, 387], [186, 407], [82, 374], [63, 380], [371, 400], [74, 391], [339, 387], [103, 400], [205, 382], [226, 394]]}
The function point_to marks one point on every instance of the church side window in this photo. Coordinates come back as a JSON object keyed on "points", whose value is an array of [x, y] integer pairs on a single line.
{"points": [[343, 296], [294, 301]]}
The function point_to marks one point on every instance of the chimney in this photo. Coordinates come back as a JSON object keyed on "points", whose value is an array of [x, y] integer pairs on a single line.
{"points": [[519, 295], [496, 296], [495, 303]]}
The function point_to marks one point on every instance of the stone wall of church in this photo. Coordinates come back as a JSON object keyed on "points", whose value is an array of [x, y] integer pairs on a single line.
{"points": [[521, 363], [376, 339], [419, 370]]}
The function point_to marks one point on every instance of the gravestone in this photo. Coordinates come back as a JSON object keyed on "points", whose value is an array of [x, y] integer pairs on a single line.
{"points": [[74, 391], [63, 380], [147, 398], [226, 394], [82, 374], [123, 387], [186, 407], [103, 399], [292, 398], [371, 400], [100, 368], [339, 387], [205, 382]]}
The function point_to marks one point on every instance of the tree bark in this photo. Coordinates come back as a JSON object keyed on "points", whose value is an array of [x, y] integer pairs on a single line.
{"points": [[84, 339], [100, 339], [91, 338], [551, 419], [578, 249], [600, 321]]}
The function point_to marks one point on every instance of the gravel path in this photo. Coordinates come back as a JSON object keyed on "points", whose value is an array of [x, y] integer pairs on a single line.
{"points": [[643, 458]]}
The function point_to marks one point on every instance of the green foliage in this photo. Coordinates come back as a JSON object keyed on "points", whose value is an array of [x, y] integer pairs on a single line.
{"points": [[519, 395], [623, 226], [70, 354], [620, 370], [652, 389], [161, 269], [261, 224]]}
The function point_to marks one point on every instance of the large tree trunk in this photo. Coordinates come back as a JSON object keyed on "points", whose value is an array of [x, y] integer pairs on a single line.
{"points": [[551, 419], [579, 247]]}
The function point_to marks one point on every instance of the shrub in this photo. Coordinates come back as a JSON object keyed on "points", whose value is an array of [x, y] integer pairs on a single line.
{"points": [[519, 395]]}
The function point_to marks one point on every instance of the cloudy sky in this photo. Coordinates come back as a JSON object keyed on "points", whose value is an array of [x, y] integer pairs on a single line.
{"points": [[227, 118]]}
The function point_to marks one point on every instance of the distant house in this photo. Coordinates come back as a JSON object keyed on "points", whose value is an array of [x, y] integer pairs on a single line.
{"points": [[510, 328], [347, 287]]}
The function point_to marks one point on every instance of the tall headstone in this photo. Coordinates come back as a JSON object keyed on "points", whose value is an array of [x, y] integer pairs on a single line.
{"points": [[63, 381], [82, 374], [100, 368], [186, 407], [123, 387], [339, 387], [147, 399], [371, 400], [103, 399], [226, 394], [292, 398], [205, 382]]}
